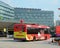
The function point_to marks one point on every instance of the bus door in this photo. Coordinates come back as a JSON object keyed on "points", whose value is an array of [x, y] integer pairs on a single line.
{"points": [[47, 33], [44, 33]]}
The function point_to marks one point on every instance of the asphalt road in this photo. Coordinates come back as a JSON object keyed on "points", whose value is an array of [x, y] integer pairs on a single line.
{"points": [[10, 43]]}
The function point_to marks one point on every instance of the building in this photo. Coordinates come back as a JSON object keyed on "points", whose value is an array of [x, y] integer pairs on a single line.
{"points": [[6, 18], [6, 11], [31, 15], [57, 22]]}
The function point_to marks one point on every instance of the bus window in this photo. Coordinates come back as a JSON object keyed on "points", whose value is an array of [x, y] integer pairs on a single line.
{"points": [[32, 30], [46, 31]]}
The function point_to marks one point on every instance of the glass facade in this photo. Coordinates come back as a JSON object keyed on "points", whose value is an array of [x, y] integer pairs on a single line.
{"points": [[30, 15], [6, 11], [57, 22]]}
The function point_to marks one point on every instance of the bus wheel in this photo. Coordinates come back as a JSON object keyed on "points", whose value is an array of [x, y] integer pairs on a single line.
{"points": [[34, 38], [45, 37]]}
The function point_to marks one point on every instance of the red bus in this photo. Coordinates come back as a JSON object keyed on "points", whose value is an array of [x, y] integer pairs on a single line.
{"points": [[31, 32]]}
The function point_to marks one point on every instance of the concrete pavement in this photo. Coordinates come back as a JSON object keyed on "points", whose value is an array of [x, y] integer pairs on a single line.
{"points": [[10, 43]]}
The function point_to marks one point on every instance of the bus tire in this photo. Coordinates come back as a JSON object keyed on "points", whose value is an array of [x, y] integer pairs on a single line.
{"points": [[45, 37], [34, 38]]}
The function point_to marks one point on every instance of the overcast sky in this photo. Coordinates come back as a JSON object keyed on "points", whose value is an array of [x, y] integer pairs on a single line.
{"points": [[51, 5]]}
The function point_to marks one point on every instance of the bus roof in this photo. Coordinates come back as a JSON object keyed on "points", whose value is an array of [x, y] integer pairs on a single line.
{"points": [[34, 25], [38, 26]]}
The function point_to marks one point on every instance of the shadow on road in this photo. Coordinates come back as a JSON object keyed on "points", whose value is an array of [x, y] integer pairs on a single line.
{"points": [[7, 41], [12, 40]]}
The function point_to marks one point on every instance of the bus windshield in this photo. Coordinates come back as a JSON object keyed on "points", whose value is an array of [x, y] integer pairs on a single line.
{"points": [[19, 28], [22, 28]]}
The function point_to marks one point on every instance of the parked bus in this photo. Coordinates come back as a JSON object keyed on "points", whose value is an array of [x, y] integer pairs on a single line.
{"points": [[31, 32]]}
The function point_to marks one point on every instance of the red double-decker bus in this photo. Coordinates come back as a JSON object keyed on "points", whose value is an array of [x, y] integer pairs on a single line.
{"points": [[31, 32]]}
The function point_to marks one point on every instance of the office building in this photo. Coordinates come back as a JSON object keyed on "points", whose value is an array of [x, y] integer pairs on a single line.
{"points": [[38, 16], [57, 22], [6, 11]]}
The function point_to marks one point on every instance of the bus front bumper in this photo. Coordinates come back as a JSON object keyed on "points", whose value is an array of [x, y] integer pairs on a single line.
{"points": [[20, 39]]}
